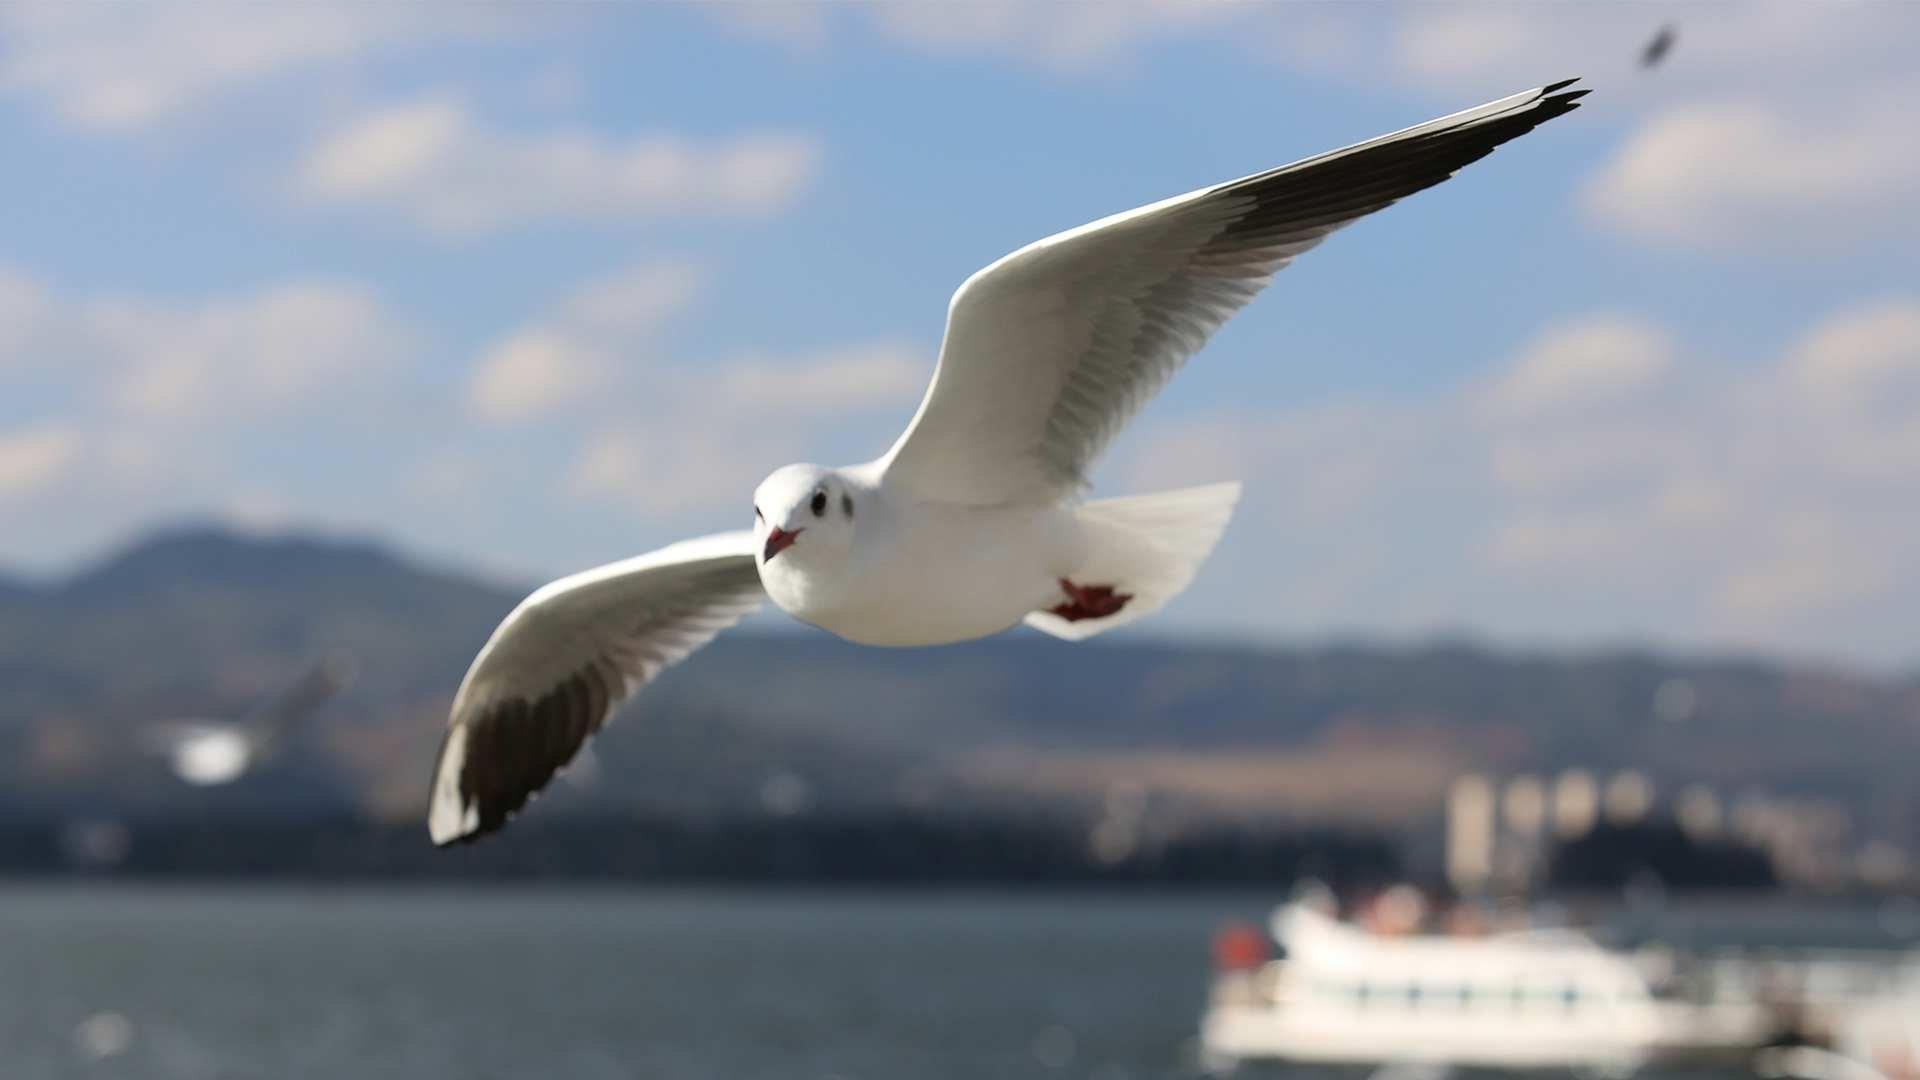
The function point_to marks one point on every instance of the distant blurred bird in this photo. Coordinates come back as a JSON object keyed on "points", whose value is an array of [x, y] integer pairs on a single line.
{"points": [[1658, 48], [974, 521], [206, 752]]}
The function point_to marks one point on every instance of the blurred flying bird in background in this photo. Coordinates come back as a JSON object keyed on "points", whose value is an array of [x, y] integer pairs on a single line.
{"points": [[206, 752], [1657, 49]]}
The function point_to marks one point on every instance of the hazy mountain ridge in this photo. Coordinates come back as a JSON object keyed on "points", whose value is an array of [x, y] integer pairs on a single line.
{"points": [[204, 621]]}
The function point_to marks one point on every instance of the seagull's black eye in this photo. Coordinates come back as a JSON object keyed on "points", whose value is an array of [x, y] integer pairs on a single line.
{"points": [[819, 504], [757, 515], [846, 504]]}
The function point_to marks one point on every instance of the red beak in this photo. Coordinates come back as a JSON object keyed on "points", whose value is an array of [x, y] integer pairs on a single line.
{"points": [[780, 540]]}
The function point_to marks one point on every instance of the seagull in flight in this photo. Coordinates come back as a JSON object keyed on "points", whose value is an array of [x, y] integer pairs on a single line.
{"points": [[973, 522], [208, 753], [1657, 49]]}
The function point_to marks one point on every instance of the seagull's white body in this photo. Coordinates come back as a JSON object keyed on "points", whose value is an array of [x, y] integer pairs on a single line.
{"points": [[996, 565], [974, 520]]}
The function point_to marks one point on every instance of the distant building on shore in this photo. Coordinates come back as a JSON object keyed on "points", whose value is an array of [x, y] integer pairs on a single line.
{"points": [[1501, 833]]}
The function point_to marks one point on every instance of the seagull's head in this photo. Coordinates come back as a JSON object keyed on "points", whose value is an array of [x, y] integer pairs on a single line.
{"points": [[803, 518]]}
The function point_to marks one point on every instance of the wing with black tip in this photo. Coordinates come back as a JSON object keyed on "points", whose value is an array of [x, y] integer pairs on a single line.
{"points": [[565, 659], [1052, 349]]}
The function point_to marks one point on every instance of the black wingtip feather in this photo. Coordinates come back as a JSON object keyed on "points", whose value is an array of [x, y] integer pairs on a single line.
{"points": [[1554, 105], [1561, 85], [1322, 193], [515, 748]]}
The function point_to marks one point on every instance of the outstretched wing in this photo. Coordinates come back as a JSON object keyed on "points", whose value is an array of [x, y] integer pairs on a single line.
{"points": [[281, 714], [565, 658], [1051, 350]]}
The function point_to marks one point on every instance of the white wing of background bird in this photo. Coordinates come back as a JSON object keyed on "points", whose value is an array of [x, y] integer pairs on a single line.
{"points": [[565, 659], [286, 711], [1052, 349]]}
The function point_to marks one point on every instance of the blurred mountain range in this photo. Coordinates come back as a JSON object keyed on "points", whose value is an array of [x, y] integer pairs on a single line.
{"points": [[203, 621]]}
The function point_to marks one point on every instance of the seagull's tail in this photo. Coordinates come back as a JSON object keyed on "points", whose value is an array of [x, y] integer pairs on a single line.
{"points": [[1145, 549]]}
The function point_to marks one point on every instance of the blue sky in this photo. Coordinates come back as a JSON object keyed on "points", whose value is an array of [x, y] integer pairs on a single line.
{"points": [[534, 287]]}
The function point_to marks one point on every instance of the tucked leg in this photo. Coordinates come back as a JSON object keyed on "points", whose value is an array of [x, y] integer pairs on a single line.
{"points": [[1089, 601]]}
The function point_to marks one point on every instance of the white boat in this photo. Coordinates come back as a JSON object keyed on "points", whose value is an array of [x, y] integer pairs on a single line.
{"points": [[1884, 1035], [1525, 999]]}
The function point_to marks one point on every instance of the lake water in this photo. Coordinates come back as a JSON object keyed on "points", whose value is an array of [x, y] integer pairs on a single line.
{"points": [[485, 982], [488, 981]]}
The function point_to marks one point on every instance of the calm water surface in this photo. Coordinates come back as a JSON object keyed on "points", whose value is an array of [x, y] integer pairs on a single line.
{"points": [[490, 982]]}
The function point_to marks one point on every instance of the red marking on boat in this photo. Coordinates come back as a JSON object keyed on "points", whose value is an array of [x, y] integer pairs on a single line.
{"points": [[1238, 946]]}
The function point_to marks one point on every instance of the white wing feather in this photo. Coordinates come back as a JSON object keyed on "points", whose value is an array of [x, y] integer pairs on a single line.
{"points": [[1052, 349], [565, 658]]}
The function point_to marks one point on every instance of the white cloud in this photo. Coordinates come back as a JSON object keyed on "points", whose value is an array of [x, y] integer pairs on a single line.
{"points": [[844, 379], [1746, 174], [1770, 128], [1806, 562], [1064, 36], [1551, 542], [32, 458], [557, 362], [707, 440], [660, 433], [115, 67], [1792, 49], [634, 302], [135, 409], [556, 86], [1849, 393], [1863, 356], [1593, 361], [531, 374], [240, 358], [666, 466], [21, 303], [434, 162], [287, 347], [1525, 463], [797, 27], [1454, 44], [393, 148], [1638, 495], [1442, 49]]}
